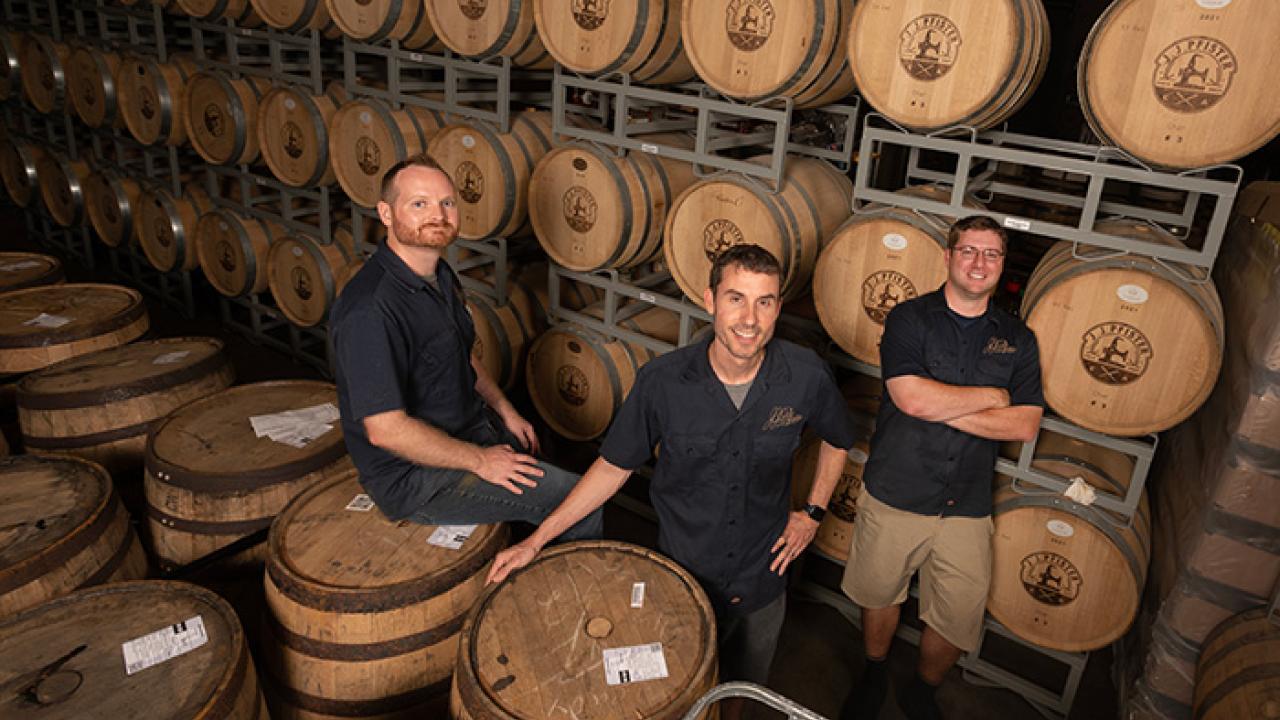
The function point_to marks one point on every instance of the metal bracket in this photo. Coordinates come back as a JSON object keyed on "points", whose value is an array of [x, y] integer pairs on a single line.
{"points": [[615, 290]]}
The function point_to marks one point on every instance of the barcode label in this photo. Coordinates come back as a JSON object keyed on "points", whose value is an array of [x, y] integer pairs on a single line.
{"points": [[637, 595], [637, 663], [649, 148], [451, 537], [360, 503], [1017, 224], [161, 645]]}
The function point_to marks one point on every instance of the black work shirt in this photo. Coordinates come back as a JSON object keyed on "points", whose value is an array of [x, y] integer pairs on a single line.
{"points": [[931, 468], [721, 487], [401, 344]]}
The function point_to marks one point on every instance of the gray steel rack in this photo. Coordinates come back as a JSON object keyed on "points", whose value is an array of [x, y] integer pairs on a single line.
{"points": [[138, 28], [304, 211], [303, 58], [641, 289], [257, 318]]}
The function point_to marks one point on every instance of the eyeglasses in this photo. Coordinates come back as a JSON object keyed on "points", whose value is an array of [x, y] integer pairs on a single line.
{"points": [[969, 252]]}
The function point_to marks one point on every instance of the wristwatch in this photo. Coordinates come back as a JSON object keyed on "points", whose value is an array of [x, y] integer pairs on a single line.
{"points": [[814, 511]]}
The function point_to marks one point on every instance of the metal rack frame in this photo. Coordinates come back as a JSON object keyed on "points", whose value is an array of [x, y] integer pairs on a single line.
{"points": [[258, 319], [616, 289], [283, 58], [698, 108], [267, 198], [138, 28], [45, 18]]}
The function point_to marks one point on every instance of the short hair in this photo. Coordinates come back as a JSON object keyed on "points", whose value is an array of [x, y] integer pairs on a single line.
{"points": [[421, 160], [976, 222], [749, 257]]}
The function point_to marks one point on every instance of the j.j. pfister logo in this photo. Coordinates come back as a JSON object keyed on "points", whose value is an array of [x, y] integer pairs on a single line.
{"points": [[214, 122], [471, 188], [882, 291], [749, 23], [473, 9], [368, 155], [1115, 353], [1193, 74], [720, 235], [929, 46], [579, 208], [573, 385], [590, 14], [1050, 578]]}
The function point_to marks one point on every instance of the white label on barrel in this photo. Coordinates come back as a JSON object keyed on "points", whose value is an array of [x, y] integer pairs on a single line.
{"points": [[223, 226], [48, 321], [648, 297], [289, 103], [1061, 529], [634, 664], [637, 595], [468, 141], [857, 456], [1213, 4], [170, 358], [1017, 224], [416, 57], [649, 148], [365, 118], [894, 241], [166, 644], [297, 252], [360, 503], [20, 265], [451, 537], [1132, 294]]}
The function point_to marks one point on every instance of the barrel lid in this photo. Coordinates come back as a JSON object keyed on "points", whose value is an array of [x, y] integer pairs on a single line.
{"points": [[477, 27], [210, 445], [750, 49], [579, 208], [55, 314], [20, 270], [484, 174], [218, 119], [320, 553], [43, 74], [293, 134], [45, 503], [91, 84], [365, 20], [121, 373], [364, 141], [571, 605], [305, 277], [588, 40], [67, 661]]}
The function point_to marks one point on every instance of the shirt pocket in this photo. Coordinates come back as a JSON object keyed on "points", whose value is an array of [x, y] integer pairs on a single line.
{"points": [[943, 365], [994, 370]]}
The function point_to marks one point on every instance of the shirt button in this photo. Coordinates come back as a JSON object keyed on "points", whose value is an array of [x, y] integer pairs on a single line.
{"points": [[730, 554], [733, 522], [733, 488], [735, 453], [950, 503], [735, 600]]}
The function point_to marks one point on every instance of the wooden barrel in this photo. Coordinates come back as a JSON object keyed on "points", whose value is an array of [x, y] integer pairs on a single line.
{"points": [[793, 224], [364, 612], [366, 137], [592, 210], [293, 130], [1239, 669], [491, 171], [1066, 576], [91, 84], [959, 63], [835, 534], [167, 226], [889, 255], [153, 98], [43, 325], [71, 649], [20, 270], [100, 406], [65, 529], [296, 15], [240, 12], [10, 63], [62, 181], [1184, 86], [18, 161], [503, 333], [642, 39], [1127, 346], [44, 76], [377, 20], [581, 592], [487, 28], [306, 276], [222, 116], [233, 248], [112, 200], [211, 480], [746, 49]]}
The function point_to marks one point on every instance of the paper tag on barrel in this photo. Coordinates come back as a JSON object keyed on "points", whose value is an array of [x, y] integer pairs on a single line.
{"points": [[48, 321], [451, 537], [296, 428], [20, 265], [634, 664], [360, 503], [161, 645]]}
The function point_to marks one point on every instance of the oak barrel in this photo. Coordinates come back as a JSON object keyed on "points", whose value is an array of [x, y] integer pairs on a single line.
{"points": [[375, 20], [211, 480], [487, 28], [491, 172], [793, 224], [305, 276], [99, 406], [233, 248], [757, 49], [503, 333], [167, 226], [65, 529], [1128, 345], [43, 325], [575, 603], [364, 612], [153, 98], [18, 161], [592, 210], [112, 200], [70, 652], [20, 270], [1238, 671], [222, 116], [44, 72], [10, 63], [293, 130], [240, 12], [1182, 85], [62, 181], [1068, 576], [366, 137], [596, 38], [296, 15], [91, 84]]}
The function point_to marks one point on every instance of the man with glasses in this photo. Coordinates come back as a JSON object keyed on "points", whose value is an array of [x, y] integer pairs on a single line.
{"points": [[960, 375]]}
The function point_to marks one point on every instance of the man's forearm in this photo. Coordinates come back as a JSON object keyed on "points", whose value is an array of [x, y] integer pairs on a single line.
{"points": [[488, 389], [927, 399], [424, 444], [600, 482], [1020, 422], [830, 463]]}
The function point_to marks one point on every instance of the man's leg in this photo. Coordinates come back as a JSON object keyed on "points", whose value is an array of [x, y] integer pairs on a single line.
{"points": [[746, 648]]}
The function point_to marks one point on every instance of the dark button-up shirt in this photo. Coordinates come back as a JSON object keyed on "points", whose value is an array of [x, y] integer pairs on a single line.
{"points": [[931, 468], [401, 344], [721, 487]]}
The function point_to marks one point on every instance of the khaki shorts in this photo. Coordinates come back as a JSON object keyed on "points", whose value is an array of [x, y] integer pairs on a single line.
{"points": [[953, 555]]}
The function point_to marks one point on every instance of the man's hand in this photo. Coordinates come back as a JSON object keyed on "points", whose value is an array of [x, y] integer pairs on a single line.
{"points": [[522, 429], [503, 466], [794, 539], [509, 560]]}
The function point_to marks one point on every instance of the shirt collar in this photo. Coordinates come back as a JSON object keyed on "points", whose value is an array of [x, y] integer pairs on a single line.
{"points": [[773, 370], [937, 303], [403, 274]]}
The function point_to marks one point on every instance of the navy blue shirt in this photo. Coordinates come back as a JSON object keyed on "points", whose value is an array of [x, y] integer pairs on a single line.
{"points": [[401, 344], [931, 468], [721, 487]]}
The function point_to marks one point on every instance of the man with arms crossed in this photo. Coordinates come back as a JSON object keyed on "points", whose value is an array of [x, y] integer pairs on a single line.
{"points": [[728, 412], [433, 436], [960, 375]]}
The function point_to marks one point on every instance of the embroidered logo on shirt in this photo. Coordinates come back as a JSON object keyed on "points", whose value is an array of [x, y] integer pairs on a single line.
{"points": [[999, 346], [782, 416]]}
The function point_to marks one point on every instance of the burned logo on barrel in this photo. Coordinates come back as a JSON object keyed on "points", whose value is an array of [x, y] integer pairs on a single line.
{"points": [[579, 208], [720, 235], [1115, 353], [590, 14], [882, 291], [213, 120], [749, 23], [470, 181], [1193, 74], [227, 256], [473, 9], [368, 155], [1050, 578], [293, 144], [573, 385], [301, 281], [929, 46]]}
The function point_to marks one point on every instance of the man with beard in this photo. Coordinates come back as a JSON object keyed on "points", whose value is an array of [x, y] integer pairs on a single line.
{"points": [[434, 438], [728, 412]]}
